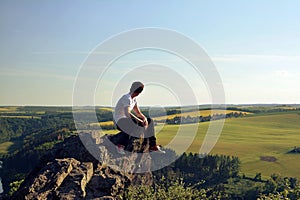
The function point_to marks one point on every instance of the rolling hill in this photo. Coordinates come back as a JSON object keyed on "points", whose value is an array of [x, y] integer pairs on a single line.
{"points": [[262, 142]]}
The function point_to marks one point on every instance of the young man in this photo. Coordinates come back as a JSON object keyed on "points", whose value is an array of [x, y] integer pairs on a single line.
{"points": [[133, 125]]}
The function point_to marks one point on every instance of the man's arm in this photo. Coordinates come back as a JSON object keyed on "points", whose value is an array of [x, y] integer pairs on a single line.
{"points": [[140, 115], [129, 114]]}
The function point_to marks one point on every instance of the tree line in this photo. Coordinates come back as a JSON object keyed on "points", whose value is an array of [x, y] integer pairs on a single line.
{"points": [[212, 177], [188, 119], [31, 138]]}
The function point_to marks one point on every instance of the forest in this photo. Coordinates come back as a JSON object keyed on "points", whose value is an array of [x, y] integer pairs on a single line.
{"points": [[213, 177]]}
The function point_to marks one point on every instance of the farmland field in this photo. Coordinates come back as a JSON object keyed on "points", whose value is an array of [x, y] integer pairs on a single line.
{"points": [[253, 139], [105, 109], [262, 142], [5, 146], [202, 113], [8, 109], [20, 116]]}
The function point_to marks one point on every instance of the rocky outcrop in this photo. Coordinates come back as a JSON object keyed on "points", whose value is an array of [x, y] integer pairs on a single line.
{"points": [[87, 167]]}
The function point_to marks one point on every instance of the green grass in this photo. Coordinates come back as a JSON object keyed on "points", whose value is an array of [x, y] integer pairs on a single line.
{"points": [[10, 146], [202, 113], [250, 138], [5, 146]]}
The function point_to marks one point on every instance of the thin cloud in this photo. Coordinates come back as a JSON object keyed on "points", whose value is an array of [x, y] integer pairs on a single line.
{"points": [[282, 73]]}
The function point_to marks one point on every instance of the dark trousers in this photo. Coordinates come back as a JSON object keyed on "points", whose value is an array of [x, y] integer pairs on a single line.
{"points": [[132, 127]]}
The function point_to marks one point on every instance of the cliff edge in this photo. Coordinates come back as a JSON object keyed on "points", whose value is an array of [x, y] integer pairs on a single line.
{"points": [[85, 167]]}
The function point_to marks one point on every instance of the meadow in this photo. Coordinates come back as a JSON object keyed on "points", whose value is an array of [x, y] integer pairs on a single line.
{"points": [[5, 146], [202, 113], [262, 142], [9, 146]]}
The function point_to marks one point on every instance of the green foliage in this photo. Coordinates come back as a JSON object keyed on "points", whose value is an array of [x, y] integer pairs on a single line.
{"points": [[14, 186], [211, 168], [238, 188], [215, 177], [188, 119], [281, 187], [11, 128], [46, 146], [234, 188], [190, 177], [36, 138], [175, 190]]}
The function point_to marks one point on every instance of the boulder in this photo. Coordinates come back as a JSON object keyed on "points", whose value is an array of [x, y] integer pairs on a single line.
{"points": [[85, 167]]}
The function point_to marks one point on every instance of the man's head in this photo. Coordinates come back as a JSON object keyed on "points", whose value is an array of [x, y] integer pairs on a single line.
{"points": [[136, 88]]}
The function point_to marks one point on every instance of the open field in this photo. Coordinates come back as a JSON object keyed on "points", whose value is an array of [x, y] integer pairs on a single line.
{"points": [[202, 113], [261, 142], [10, 146], [3, 109], [251, 138], [4, 147], [106, 109], [20, 116], [266, 107], [7, 109], [107, 123]]}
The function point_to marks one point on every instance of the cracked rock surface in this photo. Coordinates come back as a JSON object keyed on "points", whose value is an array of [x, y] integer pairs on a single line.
{"points": [[73, 171]]}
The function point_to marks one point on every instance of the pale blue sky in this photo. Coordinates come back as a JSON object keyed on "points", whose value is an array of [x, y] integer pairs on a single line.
{"points": [[255, 46]]}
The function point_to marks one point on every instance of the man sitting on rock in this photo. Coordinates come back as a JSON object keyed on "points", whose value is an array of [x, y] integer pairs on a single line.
{"points": [[133, 125]]}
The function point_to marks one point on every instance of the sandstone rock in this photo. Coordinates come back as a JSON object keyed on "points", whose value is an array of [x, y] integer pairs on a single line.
{"points": [[73, 171]]}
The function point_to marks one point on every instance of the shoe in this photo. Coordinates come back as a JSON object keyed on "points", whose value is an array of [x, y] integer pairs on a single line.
{"points": [[157, 149], [120, 149]]}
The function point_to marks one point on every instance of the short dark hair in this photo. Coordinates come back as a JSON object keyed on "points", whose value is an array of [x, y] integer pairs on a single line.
{"points": [[136, 87]]}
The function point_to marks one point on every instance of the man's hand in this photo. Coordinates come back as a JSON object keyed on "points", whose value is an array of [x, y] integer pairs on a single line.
{"points": [[142, 117], [145, 122]]}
